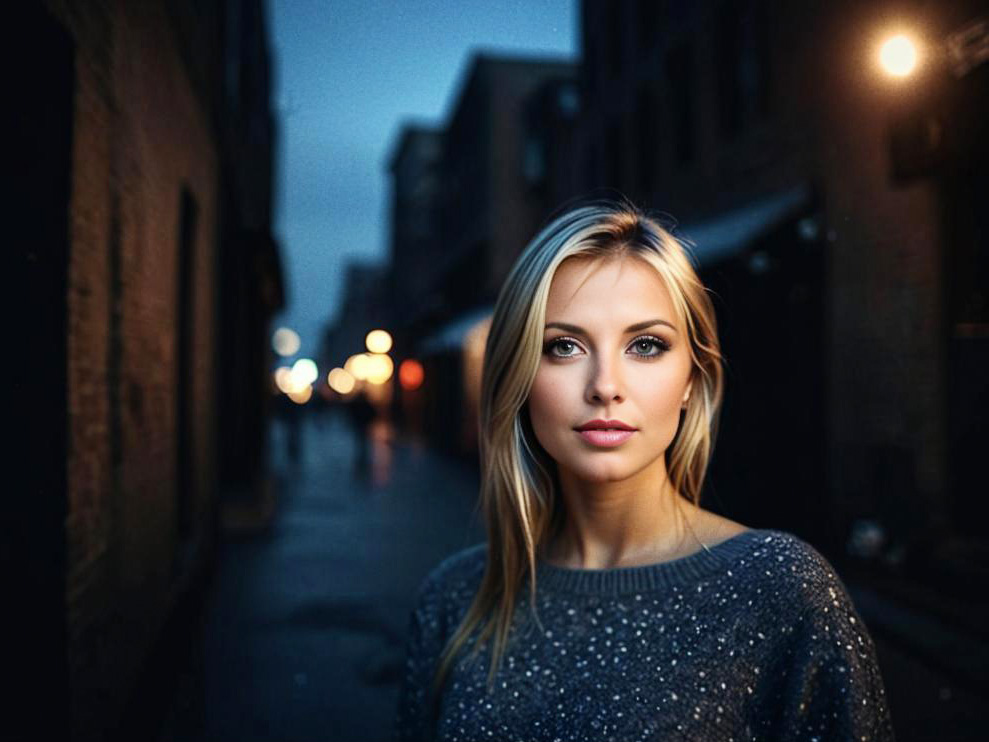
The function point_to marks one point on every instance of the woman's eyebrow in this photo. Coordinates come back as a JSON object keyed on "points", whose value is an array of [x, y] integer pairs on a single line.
{"points": [[631, 328]]}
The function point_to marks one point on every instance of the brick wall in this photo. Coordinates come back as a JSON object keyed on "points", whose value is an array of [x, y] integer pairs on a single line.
{"points": [[141, 135]]}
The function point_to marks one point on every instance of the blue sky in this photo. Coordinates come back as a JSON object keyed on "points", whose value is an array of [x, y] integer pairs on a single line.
{"points": [[346, 75]]}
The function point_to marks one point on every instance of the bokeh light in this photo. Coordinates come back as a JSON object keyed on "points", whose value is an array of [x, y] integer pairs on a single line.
{"points": [[304, 371], [379, 368], [357, 365], [378, 341], [283, 379], [410, 374], [286, 342], [341, 381], [898, 55], [301, 396]]}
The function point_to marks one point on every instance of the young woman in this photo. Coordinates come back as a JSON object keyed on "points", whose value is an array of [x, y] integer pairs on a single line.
{"points": [[606, 603]]}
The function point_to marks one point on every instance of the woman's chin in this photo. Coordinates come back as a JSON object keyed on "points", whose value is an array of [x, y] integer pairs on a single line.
{"points": [[602, 474]]}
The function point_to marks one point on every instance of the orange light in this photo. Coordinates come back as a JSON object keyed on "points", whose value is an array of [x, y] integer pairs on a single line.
{"points": [[341, 381], [283, 379], [301, 396], [898, 56], [379, 368], [410, 374]]}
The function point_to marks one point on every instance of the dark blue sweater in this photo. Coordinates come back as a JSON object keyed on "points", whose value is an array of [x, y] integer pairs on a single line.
{"points": [[755, 639]]}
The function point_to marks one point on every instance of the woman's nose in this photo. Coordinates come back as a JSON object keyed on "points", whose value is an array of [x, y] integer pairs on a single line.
{"points": [[605, 384]]}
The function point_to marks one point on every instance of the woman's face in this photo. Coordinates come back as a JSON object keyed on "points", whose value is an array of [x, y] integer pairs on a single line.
{"points": [[613, 350]]}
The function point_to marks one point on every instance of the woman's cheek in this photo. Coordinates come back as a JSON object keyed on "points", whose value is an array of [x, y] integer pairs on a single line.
{"points": [[546, 410]]}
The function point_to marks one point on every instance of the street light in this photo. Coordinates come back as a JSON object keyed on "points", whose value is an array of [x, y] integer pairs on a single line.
{"points": [[357, 365], [379, 368], [341, 381], [898, 56], [378, 341]]}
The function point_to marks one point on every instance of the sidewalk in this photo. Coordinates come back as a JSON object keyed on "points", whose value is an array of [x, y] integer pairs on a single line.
{"points": [[304, 632]]}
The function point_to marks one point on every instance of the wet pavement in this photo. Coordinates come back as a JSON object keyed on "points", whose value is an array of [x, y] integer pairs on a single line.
{"points": [[303, 631]]}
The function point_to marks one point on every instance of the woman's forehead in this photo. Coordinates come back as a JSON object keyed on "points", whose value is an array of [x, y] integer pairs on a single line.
{"points": [[585, 285]]}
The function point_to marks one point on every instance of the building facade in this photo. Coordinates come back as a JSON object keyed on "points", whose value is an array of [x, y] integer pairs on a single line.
{"points": [[128, 119], [846, 251], [477, 192]]}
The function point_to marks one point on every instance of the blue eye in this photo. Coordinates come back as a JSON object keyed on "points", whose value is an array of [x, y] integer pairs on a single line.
{"points": [[555, 344], [651, 341], [648, 346]]}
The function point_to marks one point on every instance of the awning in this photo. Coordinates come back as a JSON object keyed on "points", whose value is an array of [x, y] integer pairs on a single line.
{"points": [[451, 335], [731, 232]]}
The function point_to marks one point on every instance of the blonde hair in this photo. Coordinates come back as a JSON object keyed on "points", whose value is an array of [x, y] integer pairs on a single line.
{"points": [[519, 487]]}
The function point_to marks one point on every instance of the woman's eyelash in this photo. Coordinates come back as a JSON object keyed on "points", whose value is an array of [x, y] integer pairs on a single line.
{"points": [[555, 342], [659, 343]]}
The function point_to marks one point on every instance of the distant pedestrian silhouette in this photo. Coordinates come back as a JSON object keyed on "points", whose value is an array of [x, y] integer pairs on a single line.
{"points": [[361, 413], [290, 414]]}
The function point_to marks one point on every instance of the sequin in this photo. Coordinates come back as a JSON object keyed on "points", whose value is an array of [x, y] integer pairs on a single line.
{"points": [[722, 648]]}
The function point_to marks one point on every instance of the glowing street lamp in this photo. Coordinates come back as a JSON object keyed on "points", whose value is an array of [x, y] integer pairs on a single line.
{"points": [[898, 56]]}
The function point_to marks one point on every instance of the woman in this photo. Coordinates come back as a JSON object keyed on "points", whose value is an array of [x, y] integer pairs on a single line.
{"points": [[647, 617]]}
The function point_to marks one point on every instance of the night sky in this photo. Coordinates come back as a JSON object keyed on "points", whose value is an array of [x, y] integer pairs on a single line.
{"points": [[346, 76]]}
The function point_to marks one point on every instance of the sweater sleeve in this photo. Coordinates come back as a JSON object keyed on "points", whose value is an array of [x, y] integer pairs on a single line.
{"points": [[415, 717], [831, 685]]}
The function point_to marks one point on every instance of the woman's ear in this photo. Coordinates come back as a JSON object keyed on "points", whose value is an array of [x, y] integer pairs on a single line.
{"points": [[686, 395]]}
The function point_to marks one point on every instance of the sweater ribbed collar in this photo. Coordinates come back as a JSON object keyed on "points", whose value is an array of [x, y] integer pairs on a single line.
{"points": [[681, 572]]}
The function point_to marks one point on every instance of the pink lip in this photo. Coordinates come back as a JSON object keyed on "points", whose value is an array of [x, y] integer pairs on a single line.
{"points": [[605, 438], [598, 423]]}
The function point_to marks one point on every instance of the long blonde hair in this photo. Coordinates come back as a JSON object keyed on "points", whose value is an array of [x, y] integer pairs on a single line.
{"points": [[519, 487]]}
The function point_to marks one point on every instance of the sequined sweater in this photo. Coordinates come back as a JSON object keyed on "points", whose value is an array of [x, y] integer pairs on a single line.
{"points": [[753, 639]]}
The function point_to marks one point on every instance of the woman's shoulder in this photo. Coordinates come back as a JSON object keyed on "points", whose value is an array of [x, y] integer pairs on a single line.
{"points": [[771, 552], [792, 568], [459, 572], [466, 562]]}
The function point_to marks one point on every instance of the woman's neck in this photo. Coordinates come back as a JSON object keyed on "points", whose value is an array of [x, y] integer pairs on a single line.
{"points": [[621, 524]]}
